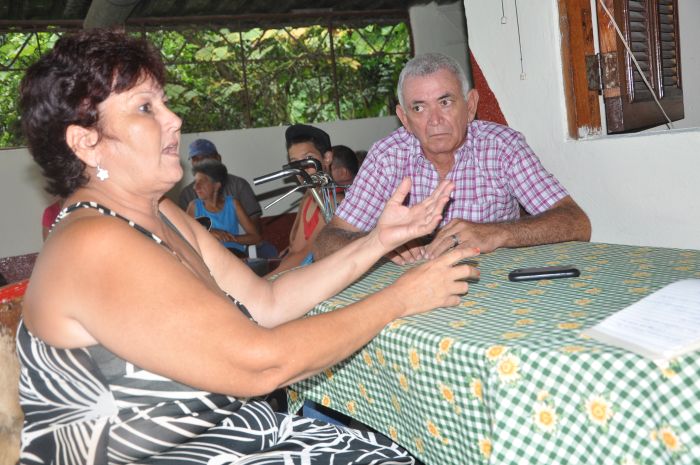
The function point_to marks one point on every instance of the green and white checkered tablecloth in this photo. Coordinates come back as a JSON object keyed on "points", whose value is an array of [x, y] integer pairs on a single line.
{"points": [[505, 378]]}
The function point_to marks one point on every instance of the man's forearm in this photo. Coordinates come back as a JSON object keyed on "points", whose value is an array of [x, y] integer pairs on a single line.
{"points": [[332, 238], [565, 222]]}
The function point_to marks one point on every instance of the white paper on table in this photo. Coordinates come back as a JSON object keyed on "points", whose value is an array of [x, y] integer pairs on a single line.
{"points": [[660, 326]]}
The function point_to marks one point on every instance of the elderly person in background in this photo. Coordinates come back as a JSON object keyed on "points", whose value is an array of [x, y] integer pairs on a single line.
{"points": [[143, 339], [224, 211], [494, 171], [201, 150]]}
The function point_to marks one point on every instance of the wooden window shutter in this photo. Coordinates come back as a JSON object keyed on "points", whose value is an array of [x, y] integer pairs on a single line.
{"points": [[651, 29]]}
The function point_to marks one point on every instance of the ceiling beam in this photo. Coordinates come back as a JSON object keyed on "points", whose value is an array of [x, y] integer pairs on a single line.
{"points": [[106, 13]]}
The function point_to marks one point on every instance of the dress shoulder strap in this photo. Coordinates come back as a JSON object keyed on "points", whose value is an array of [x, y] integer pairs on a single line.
{"points": [[106, 211]]}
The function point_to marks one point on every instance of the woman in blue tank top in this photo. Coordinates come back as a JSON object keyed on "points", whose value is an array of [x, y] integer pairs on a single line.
{"points": [[224, 212]]}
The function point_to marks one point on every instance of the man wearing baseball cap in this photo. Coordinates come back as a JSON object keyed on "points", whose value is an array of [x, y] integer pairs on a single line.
{"points": [[237, 187]]}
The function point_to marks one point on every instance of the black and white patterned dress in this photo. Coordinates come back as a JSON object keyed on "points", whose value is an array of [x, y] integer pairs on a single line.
{"points": [[86, 405]]}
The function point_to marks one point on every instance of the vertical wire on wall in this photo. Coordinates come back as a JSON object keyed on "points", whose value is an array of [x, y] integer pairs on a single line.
{"points": [[503, 14], [520, 45]]}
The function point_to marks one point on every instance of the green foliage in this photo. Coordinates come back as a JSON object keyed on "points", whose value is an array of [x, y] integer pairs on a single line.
{"points": [[220, 79]]}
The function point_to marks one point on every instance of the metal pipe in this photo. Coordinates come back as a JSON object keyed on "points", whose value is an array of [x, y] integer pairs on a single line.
{"points": [[105, 13], [276, 175]]}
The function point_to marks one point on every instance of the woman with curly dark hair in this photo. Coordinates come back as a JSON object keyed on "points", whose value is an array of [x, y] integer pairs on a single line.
{"points": [[133, 347]]}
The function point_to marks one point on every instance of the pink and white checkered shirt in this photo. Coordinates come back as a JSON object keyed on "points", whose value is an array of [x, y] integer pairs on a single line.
{"points": [[494, 171]]}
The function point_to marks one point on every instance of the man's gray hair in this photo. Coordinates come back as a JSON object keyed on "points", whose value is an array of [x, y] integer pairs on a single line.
{"points": [[429, 63]]}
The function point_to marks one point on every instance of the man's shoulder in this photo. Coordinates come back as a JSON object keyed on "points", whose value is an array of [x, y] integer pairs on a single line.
{"points": [[236, 183], [237, 179], [488, 130], [399, 138], [395, 149]]}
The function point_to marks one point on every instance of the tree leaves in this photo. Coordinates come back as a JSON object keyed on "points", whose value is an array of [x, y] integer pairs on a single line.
{"points": [[220, 79]]}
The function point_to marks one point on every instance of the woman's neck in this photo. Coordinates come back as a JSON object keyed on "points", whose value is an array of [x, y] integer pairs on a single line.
{"points": [[214, 204]]}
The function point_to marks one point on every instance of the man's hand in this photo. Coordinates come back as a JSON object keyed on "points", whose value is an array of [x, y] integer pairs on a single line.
{"points": [[399, 224], [462, 234], [564, 221]]}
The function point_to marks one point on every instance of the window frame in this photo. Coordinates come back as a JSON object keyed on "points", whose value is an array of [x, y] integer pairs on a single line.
{"points": [[588, 75]]}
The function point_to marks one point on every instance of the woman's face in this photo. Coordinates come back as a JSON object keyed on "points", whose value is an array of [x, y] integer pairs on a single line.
{"points": [[140, 139], [205, 187]]}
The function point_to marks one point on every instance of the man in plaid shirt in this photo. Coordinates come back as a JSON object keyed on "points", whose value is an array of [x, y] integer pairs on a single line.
{"points": [[494, 171]]}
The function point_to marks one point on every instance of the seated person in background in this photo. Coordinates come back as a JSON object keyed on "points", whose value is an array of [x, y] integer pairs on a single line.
{"points": [[343, 168], [236, 187], [304, 141], [132, 346], [493, 168], [49, 216], [224, 211]]}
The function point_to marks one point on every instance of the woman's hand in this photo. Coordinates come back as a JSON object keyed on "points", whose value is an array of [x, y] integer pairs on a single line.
{"points": [[437, 283], [223, 236], [399, 224]]}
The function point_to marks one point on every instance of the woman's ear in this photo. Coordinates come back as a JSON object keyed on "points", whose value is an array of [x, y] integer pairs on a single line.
{"points": [[82, 142]]}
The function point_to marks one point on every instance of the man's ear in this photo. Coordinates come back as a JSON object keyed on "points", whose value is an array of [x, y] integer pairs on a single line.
{"points": [[82, 142], [327, 160], [402, 117], [472, 103]]}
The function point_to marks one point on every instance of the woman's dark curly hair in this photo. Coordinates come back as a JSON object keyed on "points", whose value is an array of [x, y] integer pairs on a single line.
{"points": [[65, 87]]}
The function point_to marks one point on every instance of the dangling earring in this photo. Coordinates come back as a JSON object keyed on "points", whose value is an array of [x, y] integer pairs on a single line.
{"points": [[102, 174]]}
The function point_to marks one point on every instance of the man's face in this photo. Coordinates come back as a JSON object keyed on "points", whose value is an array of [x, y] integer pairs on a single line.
{"points": [[303, 150], [340, 174], [436, 112]]}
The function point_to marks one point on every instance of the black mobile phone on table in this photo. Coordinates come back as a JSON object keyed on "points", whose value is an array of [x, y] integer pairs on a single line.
{"points": [[544, 272]]}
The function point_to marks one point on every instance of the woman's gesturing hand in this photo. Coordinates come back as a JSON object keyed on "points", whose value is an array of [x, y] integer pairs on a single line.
{"points": [[440, 282], [399, 224]]}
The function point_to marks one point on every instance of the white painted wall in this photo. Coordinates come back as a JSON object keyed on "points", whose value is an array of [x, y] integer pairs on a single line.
{"points": [[638, 189], [441, 28]]}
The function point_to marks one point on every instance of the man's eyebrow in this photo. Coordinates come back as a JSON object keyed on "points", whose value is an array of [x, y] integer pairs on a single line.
{"points": [[446, 95]]}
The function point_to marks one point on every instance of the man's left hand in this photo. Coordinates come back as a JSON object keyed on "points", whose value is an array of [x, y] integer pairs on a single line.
{"points": [[463, 234]]}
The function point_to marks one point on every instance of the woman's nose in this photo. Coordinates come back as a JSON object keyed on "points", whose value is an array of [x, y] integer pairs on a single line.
{"points": [[172, 120]]}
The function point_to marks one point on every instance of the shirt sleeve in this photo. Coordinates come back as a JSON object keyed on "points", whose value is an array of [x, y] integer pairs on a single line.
{"points": [[535, 188], [370, 190]]}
